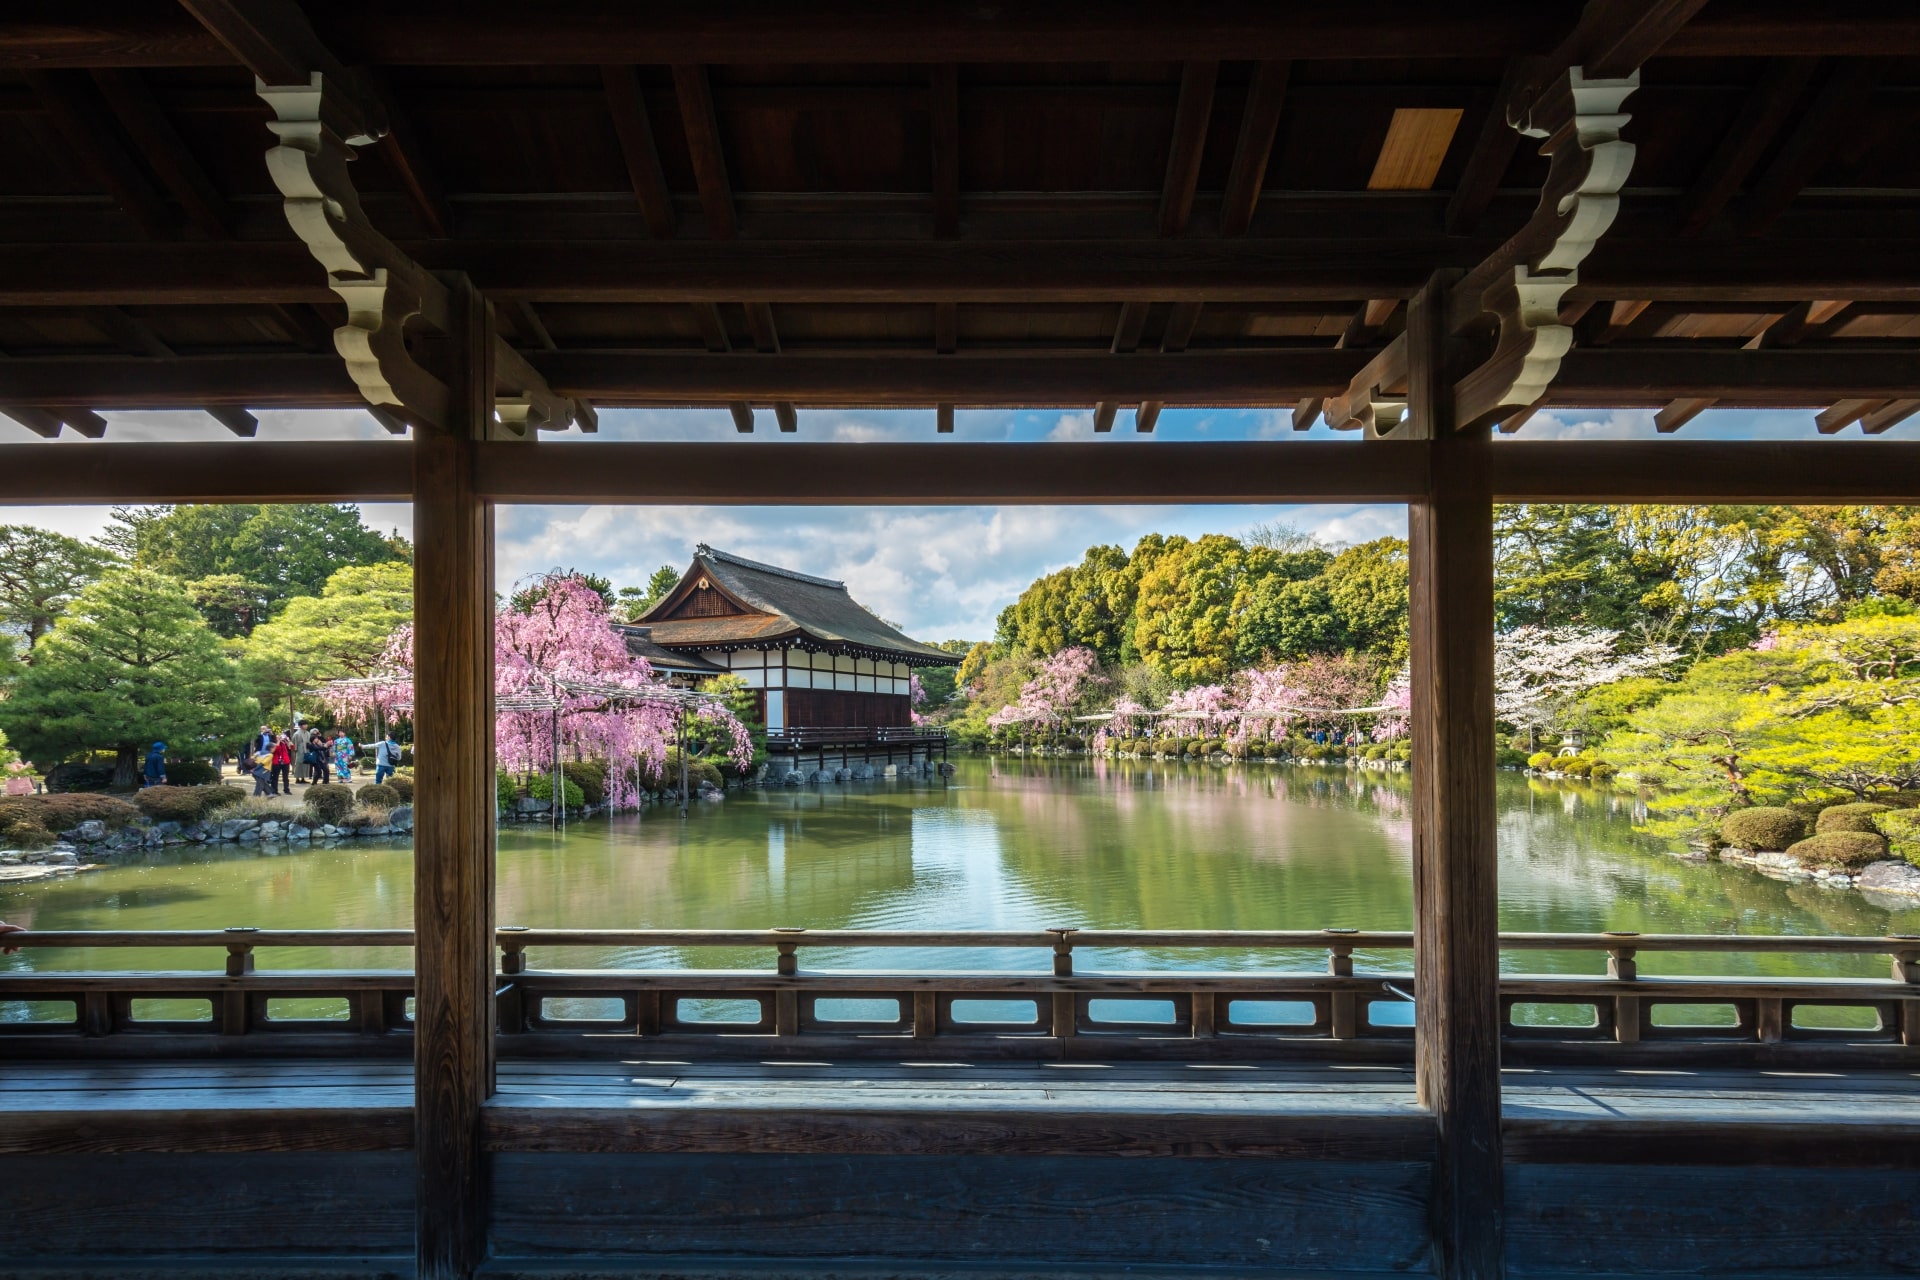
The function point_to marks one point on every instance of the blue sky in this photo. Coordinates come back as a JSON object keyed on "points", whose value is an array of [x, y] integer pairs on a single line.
{"points": [[942, 572]]}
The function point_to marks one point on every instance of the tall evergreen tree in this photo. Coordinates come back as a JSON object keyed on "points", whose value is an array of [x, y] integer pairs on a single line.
{"points": [[130, 663], [40, 571]]}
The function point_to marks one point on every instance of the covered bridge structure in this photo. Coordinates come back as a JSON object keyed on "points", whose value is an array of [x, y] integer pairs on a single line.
{"points": [[1423, 223]]}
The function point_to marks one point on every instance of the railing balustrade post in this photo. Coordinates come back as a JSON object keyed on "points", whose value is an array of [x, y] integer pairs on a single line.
{"points": [[1906, 968], [786, 1002], [1205, 1012], [510, 999], [233, 1004], [1623, 965], [1343, 1007], [1065, 1021]]}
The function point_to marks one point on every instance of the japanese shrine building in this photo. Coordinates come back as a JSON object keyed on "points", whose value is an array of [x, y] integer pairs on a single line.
{"points": [[825, 668]]}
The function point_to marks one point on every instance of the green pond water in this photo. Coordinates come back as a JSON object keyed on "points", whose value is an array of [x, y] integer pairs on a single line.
{"points": [[1006, 843]]}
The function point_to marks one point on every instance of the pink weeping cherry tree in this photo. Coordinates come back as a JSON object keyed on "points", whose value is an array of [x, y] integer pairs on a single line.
{"points": [[1059, 685], [558, 645]]}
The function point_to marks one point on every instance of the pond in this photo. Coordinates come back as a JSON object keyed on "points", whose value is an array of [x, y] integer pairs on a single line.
{"points": [[1007, 842]]}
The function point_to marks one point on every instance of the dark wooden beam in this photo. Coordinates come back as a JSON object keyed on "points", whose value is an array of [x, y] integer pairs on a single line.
{"points": [[713, 331], [943, 419], [1040, 473], [1253, 147], [1182, 319], [527, 322], [1615, 36], [1103, 415], [1819, 471], [274, 40], [1861, 268], [1492, 154], [1836, 104], [132, 335], [1457, 1019], [944, 99], [1190, 118], [44, 423], [1888, 415], [502, 33], [453, 823], [742, 416], [1764, 113], [161, 146], [78, 111], [946, 327], [695, 93], [229, 471], [406, 153], [1742, 471], [627, 108], [1617, 376]]}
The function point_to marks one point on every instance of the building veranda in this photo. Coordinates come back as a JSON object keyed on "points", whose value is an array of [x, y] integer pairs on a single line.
{"points": [[1419, 223]]}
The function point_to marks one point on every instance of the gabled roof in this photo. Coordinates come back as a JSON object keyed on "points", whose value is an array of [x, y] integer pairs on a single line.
{"points": [[780, 605]]}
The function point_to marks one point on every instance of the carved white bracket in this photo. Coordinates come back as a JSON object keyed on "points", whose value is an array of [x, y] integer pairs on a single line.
{"points": [[384, 290], [1523, 284]]}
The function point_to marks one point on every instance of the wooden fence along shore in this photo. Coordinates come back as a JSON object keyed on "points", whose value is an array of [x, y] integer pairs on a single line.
{"points": [[1346, 1009]]}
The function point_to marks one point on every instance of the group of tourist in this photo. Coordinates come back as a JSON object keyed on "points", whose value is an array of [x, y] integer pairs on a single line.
{"points": [[270, 757]]}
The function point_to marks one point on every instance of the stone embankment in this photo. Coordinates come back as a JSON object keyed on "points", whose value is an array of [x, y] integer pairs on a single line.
{"points": [[93, 844], [1891, 875], [858, 773]]}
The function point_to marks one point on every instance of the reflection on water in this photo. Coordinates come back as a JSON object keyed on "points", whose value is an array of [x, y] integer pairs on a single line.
{"points": [[1003, 844]]}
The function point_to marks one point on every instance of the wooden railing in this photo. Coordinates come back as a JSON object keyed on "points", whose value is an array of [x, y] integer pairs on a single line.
{"points": [[831, 735], [1343, 1011]]}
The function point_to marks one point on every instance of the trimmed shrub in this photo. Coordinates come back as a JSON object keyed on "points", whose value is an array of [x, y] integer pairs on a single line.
{"points": [[364, 817], [590, 776], [191, 773], [379, 796], [402, 784], [502, 790], [1848, 817], [1212, 746], [1901, 827], [1540, 760], [66, 811], [184, 804], [25, 835], [1402, 752], [330, 802], [1574, 766], [1506, 758], [1602, 771], [541, 788], [1841, 850], [1763, 828]]}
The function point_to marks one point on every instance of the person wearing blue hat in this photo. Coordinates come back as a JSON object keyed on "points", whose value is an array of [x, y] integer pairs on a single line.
{"points": [[155, 774]]}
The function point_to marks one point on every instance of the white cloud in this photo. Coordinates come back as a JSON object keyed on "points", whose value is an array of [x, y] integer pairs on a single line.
{"points": [[1713, 424]]}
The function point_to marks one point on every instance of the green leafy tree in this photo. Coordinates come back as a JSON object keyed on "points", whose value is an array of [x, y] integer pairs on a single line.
{"points": [[130, 662], [633, 602], [1367, 586], [40, 571], [338, 634], [939, 683], [270, 553]]}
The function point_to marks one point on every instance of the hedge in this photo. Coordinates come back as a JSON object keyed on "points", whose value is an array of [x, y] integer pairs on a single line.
{"points": [[590, 776], [67, 810], [402, 783], [1848, 817], [1540, 760], [540, 787], [191, 773], [379, 796], [1762, 828], [1841, 850], [1901, 827]]}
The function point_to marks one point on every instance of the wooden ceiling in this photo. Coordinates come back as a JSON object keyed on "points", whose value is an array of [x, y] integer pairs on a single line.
{"points": [[1099, 204]]}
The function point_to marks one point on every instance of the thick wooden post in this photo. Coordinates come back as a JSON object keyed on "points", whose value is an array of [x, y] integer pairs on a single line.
{"points": [[453, 822], [1456, 926]]}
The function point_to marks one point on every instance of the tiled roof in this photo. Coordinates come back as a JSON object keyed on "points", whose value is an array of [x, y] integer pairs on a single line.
{"points": [[640, 644], [789, 604]]}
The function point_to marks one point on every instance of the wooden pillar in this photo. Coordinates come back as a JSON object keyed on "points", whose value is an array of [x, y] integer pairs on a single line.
{"points": [[1456, 926], [453, 820]]}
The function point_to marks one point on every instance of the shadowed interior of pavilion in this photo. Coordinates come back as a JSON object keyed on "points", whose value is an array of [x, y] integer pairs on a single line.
{"points": [[1419, 223]]}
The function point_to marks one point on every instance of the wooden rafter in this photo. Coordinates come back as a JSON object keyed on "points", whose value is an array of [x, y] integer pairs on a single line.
{"points": [[1414, 148], [1493, 150], [1253, 147], [1888, 415], [627, 109], [132, 102], [1834, 106], [274, 40], [944, 137], [1766, 110], [1190, 118], [80, 114], [695, 93], [406, 151], [129, 333], [1680, 413], [235, 419]]}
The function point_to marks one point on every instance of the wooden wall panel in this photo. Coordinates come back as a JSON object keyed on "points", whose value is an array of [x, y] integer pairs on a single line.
{"points": [[206, 1206], [1037, 1211]]}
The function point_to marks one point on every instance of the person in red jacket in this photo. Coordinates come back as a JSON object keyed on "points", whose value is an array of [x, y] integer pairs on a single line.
{"points": [[282, 767]]}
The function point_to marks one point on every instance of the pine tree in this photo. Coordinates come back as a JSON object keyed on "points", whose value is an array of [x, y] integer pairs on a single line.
{"points": [[130, 663]]}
